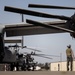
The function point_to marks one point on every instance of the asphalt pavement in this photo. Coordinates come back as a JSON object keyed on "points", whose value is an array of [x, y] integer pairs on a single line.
{"points": [[37, 73]]}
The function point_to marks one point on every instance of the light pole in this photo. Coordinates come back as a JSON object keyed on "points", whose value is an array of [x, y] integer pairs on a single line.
{"points": [[61, 61], [22, 36], [60, 57]]}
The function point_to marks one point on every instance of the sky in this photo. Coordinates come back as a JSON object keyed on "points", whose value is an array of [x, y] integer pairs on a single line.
{"points": [[51, 44]]}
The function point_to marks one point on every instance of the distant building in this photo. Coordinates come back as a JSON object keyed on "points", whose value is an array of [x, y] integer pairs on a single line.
{"points": [[4, 67], [60, 66]]}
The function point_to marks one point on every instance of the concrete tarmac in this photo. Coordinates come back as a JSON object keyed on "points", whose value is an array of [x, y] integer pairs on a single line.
{"points": [[36, 73]]}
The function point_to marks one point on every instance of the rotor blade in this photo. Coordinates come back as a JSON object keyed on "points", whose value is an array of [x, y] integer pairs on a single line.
{"points": [[49, 6], [31, 49], [12, 41], [34, 49], [48, 26], [38, 55], [48, 55], [34, 13], [42, 56], [14, 46]]}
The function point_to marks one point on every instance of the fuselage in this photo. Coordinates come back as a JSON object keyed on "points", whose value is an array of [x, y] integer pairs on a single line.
{"points": [[6, 55]]}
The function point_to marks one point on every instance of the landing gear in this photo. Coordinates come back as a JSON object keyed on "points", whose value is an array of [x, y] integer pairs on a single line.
{"points": [[1, 56]]}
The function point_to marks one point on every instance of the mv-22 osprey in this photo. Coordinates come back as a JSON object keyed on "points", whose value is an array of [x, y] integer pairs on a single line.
{"points": [[36, 27]]}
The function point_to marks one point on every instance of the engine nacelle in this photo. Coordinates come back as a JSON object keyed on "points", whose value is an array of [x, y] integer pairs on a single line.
{"points": [[71, 25]]}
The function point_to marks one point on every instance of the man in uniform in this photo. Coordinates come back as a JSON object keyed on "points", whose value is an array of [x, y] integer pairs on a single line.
{"points": [[70, 56]]}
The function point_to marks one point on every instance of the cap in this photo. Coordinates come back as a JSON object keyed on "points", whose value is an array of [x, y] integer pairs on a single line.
{"points": [[69, 46]]}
